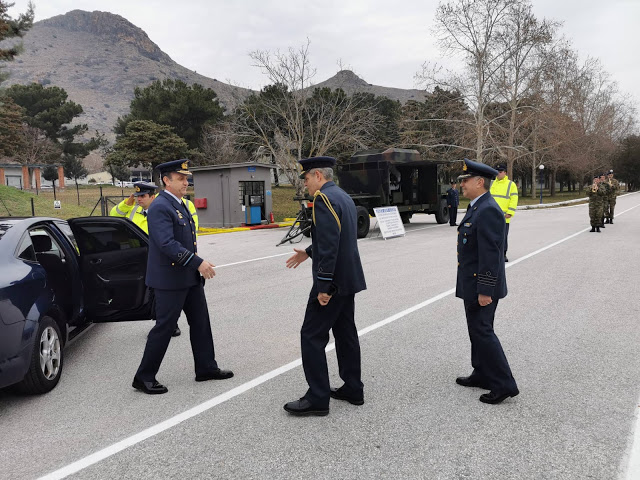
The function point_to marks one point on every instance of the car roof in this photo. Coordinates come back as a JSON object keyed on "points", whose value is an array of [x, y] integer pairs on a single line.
{"points": [[12, 228]]}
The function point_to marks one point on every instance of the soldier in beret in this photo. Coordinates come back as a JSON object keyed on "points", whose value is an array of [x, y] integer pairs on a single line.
{"points": [[337, 277], [481, 283], [613, 193], [176, 273], [596, 204], [603, 191]]}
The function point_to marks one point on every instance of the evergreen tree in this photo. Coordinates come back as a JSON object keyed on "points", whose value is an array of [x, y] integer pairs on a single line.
{"points": [[10, 28], [147, 144], [186, 108]]}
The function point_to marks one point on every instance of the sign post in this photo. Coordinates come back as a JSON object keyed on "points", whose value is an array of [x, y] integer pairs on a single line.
{"points": [[389, 221]]}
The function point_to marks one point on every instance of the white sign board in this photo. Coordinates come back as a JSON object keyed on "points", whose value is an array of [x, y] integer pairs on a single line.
{"points": [[389, 221], [57, 204]]}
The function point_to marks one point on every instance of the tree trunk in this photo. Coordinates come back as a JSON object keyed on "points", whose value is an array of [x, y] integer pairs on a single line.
{"points": [[77, 190], [552, 186]]}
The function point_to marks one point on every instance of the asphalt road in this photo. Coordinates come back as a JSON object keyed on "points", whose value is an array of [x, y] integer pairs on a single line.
{"points": [[569, 327]]}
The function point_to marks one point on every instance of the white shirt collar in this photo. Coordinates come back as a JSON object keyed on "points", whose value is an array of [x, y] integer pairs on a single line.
{"points": [[475, 199], [177, 199]]}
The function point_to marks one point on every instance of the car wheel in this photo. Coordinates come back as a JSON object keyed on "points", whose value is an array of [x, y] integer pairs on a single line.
{"points": [[46, 360]]}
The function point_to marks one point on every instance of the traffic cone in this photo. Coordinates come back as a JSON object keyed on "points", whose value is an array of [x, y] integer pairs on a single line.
{"points": [[271, 220]]}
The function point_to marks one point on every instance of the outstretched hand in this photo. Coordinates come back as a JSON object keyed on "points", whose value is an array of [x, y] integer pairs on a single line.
{"points": [[295, 260]]}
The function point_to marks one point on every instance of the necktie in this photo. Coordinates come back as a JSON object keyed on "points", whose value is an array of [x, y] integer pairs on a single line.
{"points": [[144, 212]]}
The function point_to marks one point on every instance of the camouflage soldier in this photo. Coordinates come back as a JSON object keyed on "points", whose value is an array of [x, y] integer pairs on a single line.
{"points": [[604, 189], [613, 193], [595, 204]]}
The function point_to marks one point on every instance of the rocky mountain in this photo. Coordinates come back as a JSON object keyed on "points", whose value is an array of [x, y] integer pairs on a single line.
{"points": [[99, 58], [351, 83]]}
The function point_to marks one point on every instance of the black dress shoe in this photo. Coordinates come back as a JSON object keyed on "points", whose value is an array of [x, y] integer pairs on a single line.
{"points": [[506, 259], [496, 397], [304, 408], [176, 332], [215, 375], [338, 395], [151, 388], [611, 221], [471, 382]]}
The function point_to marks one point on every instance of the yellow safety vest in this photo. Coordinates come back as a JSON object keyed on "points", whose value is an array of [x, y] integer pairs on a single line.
{"points": [[135, 214], [505, 192]]}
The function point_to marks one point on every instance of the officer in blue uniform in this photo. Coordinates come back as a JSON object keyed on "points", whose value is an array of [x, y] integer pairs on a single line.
{"points": [[453, 200], [337, 277], [481, 283], [176, 273]]}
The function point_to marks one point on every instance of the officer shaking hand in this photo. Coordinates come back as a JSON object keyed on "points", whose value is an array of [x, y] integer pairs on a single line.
{"points": [[337, 277]]}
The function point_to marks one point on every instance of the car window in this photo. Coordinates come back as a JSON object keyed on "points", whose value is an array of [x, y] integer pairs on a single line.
{"points": [[105, 238], [25, 250], [43, 242], [66, 229]]}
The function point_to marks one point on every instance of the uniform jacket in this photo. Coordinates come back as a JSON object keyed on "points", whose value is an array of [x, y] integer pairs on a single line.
{"points": [[453, 198], [481, 251], [135, 213], [505, 193], [334, 249], [173, 263]]}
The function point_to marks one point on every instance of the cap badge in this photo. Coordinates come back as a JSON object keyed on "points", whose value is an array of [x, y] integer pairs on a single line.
{"points": [[137, 188], [185, 165], [464, 167]]}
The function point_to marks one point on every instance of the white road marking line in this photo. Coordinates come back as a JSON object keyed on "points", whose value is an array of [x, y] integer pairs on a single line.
{"points": [[234, 392], [633, 466], [290, 253]]}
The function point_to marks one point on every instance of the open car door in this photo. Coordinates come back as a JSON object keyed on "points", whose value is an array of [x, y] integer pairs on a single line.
{"points": [[113, 264]]}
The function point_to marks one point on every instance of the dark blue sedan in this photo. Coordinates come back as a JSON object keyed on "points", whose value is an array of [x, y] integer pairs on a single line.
{"points": [[56, 278]]}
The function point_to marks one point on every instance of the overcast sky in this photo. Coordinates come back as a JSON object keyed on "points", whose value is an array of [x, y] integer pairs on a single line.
{"points": [[384, 42]]}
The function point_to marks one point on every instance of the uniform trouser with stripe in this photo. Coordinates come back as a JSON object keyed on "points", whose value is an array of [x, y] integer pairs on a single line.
{"points": [[169, 304], [338, 316], [490, 365]]}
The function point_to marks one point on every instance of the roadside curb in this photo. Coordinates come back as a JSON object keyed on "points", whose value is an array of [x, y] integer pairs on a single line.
{"points": [[214, 231]]}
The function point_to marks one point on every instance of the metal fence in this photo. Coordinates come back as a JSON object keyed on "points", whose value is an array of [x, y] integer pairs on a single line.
{"points": [[88, 200]]}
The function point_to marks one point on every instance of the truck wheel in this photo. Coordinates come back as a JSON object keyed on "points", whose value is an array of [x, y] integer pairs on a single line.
{"points": [[46, 360], [405, 217], [442, 214], [363, 221]]}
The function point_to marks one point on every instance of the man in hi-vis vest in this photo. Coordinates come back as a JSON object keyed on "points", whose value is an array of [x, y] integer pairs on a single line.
{"points": [[505, 192]]}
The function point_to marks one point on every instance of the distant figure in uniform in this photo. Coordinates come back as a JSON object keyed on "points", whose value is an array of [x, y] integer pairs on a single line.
{"points": [[604, 190], [337, 277], [481, 283], [453, 200], [613, 193], [176, 273], [505, 193], [144, 194], [596, 204]]}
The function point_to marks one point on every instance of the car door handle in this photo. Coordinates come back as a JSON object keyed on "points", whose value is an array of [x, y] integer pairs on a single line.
{"points": [[95, 261]]}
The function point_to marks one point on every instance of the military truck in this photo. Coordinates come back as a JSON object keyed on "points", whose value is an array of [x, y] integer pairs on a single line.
{"points": [[395, 177], [380, 178]]}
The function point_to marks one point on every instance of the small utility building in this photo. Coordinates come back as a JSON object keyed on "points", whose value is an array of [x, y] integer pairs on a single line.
{"points": [[232, 195]]}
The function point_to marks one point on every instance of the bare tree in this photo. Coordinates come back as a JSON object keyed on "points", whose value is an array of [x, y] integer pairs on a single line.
{"points": [[36, 148], [290, 120], [472, 30]]}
